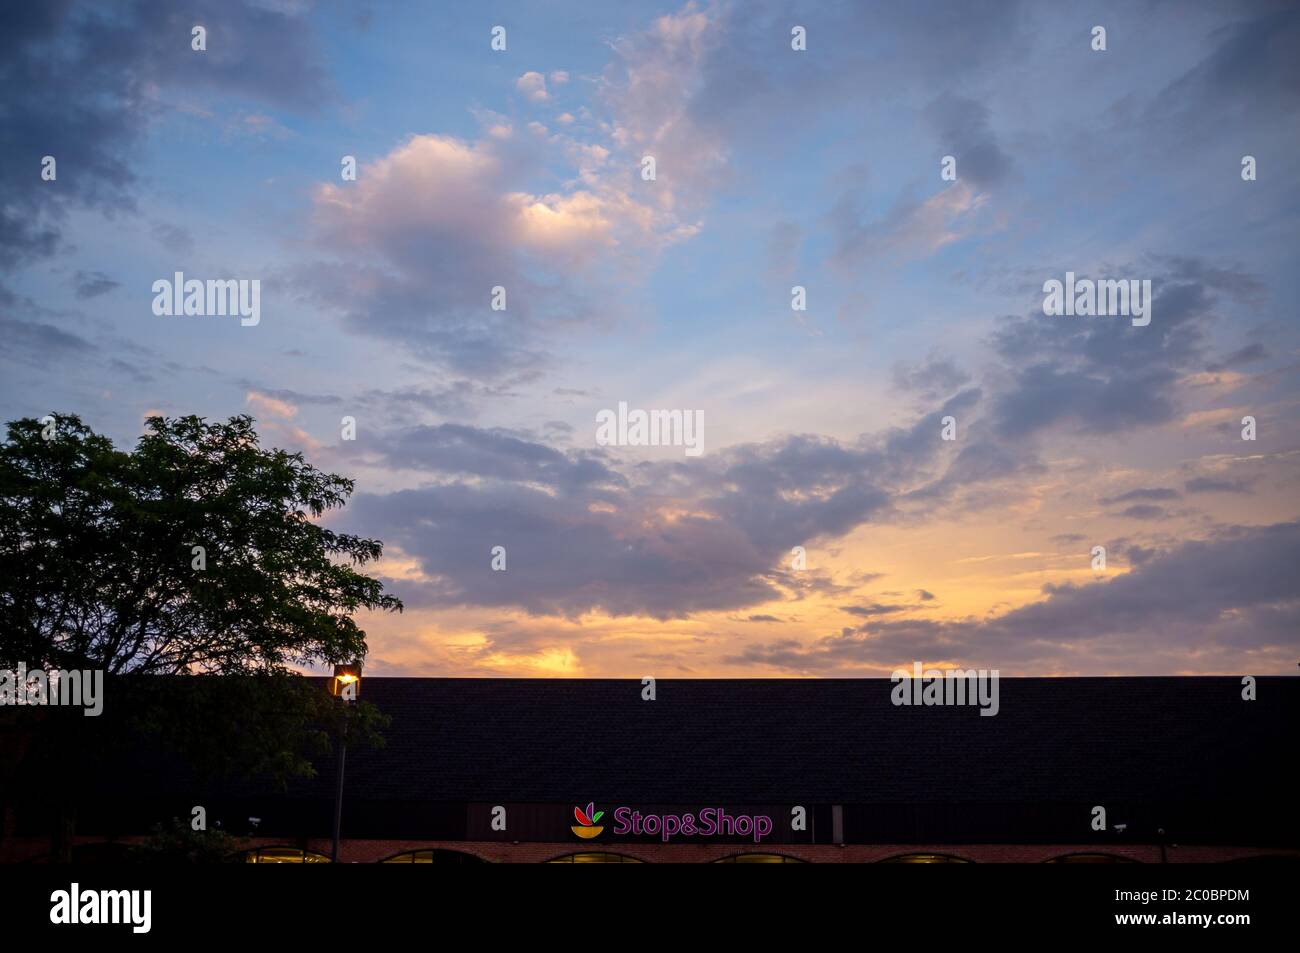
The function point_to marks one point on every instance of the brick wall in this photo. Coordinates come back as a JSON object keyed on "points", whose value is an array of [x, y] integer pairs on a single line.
{"points": [[371, 851]]}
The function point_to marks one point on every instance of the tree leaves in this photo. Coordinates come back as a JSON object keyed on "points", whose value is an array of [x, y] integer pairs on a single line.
{"points": [[98, 571], [96, 552]]}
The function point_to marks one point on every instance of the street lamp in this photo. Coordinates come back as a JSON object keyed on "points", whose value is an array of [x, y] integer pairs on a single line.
{"points": [[346, 684]]}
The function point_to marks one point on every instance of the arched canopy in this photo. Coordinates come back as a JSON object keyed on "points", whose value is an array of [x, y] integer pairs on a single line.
{"points": [[283, 855], [595, 857], [434, 856], [924, 859]]}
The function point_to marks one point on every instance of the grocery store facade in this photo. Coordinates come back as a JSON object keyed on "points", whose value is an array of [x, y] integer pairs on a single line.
{"points": [[1097, 770]]}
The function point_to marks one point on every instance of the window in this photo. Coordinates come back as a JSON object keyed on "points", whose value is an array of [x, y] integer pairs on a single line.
{"points": [[595, 858], [759, 859], [434, 857], [284, 855], [924, 859]]}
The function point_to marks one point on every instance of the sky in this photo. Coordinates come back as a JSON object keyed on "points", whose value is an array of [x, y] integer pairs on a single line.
{"points": [[828, 528]]}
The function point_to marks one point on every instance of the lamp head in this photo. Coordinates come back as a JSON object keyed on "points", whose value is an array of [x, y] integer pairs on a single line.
{"points": [[346, 682]]}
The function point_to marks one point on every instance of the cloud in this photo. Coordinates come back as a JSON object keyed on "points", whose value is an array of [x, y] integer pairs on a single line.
{"points": [[38, 343], [1239, 358], [1217, 485], [432, 227], [533, 86], [1144, 511], [173, 237], [739, 81], [1143, 493], [451, 398], [270, 406], [1198, 606], [933, 378], [290, 397], [586, 532], [874, 609], [1102, 375], [963, 128], [92, 284], [1069, 538], [460, 450], [1249, 76], [651, 86], [913, 227], [81, 82]]}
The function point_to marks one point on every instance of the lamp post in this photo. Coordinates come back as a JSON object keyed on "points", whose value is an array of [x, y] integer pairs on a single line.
{"points": [[346, 684]]}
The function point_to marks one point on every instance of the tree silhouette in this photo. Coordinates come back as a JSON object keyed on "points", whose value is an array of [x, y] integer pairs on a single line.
{"points": [[199, 553]]}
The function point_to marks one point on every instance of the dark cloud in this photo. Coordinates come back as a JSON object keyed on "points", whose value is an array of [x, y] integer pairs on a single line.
{"points": [[175, 238], [80, 81], [460, 398], [460, 450], [963, 128], [748, 81], [1144, 511], [1102, 374], [92, 284], [37, 343], [130, 371], [1217, 485], [1252, 74], [666, 539], [934, 378], [1143, 493], [438, 310], [1069, 538], [874, 609], [1239, 358], [1197, 606], [563, 558], [924, 595], [984, 460]]}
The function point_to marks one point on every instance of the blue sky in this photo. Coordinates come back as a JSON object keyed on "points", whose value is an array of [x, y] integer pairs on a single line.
{"points": [[775, 168]]}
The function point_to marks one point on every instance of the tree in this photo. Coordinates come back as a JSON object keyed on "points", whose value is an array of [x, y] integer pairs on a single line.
{"points": [[199, 553], [177, 843]]}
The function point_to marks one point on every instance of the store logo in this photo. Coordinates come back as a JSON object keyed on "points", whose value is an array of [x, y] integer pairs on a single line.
{"points": [[589, 821], [710, 822]]}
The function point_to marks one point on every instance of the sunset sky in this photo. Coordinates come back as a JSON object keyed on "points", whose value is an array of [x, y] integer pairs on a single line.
{"points": [[820, 168]]}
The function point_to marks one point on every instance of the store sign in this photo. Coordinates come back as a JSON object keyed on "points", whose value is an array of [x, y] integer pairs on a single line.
{"points": [[645, 822], [708, 822]]}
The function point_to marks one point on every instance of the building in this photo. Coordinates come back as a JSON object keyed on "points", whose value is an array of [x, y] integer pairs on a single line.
{"points": [[828, 770]]}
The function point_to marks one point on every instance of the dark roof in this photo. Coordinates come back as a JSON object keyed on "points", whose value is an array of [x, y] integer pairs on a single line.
{"points": [[826, 741], [1183, 758]]}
